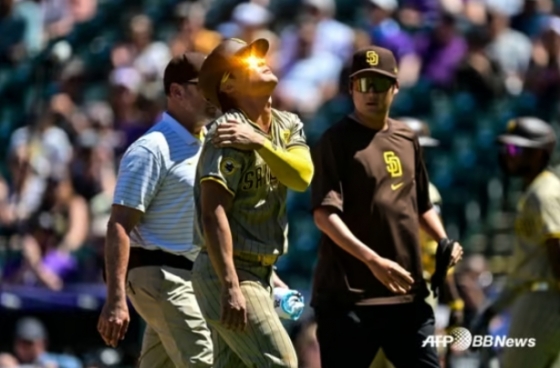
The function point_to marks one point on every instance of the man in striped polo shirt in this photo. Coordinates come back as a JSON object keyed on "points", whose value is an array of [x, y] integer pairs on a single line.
{"points": [[149, 238]]}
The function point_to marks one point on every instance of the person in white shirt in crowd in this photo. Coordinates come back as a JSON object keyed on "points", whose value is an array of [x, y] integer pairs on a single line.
{"points": [[149, 251]]}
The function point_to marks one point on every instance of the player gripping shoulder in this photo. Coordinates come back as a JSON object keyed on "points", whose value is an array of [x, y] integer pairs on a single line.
{"points": [[532, 290], [252, 155], [370, 197], [149, 245]]}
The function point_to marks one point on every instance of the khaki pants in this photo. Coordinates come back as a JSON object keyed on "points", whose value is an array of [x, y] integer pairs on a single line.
{"points": [[176, 334], [265, 342]]}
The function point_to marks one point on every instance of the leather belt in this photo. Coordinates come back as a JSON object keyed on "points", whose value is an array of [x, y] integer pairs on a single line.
{"points": [[140, 257], [262, 259]]}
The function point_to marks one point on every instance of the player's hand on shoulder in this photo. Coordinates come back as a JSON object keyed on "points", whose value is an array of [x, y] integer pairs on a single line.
{"points": [[392, 275], [234, 134], [234, 308]]}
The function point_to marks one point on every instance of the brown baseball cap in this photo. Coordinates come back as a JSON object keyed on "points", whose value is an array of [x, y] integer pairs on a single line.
{"points": [[374, 59], [227, 56], [183, 69]]}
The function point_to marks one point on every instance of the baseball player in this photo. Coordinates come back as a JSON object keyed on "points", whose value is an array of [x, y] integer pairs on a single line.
{"points": [[370, 197], [252, 155], [532, 289], [149, 245], [429, 245]]}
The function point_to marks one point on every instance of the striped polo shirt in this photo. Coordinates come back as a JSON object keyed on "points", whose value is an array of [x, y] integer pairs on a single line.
{"points": [[156, 176]]}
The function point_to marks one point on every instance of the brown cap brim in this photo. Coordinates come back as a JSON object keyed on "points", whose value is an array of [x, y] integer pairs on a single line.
{"points": [[258, 48], [376, 71]]}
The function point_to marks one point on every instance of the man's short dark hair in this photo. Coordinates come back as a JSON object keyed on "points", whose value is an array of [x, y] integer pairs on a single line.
{"points": [[182, 69]]}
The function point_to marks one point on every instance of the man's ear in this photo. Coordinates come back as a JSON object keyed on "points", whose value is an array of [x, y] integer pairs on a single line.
{"points": [[227, 87], [396, 88], [176, 91]]}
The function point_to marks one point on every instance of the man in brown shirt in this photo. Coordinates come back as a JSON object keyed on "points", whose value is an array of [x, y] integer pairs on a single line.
{"points": [[370, 196]]}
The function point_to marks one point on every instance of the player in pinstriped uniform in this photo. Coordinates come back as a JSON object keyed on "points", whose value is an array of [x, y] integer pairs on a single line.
{"points": [[251, 156], [532, 289]]}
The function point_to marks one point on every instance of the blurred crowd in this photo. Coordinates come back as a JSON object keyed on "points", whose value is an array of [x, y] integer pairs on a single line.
{"points": [[465, 66]]}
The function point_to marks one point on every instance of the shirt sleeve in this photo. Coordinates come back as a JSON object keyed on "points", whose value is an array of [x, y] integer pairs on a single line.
{"points": [[422, 181], [549, 207], [326, 186], [223, 165], [139, 179], [297, 135]]}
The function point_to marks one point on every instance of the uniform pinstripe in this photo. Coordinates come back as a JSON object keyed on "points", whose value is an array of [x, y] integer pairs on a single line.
{"points": [[536, 314], [259, 226], [156, 177]]}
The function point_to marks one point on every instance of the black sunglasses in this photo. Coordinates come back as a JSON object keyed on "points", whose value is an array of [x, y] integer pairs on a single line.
{"points": [[377, 84]]}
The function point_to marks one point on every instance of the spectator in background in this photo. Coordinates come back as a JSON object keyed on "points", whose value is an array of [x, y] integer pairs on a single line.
{"points": [[386, 32], [543, 76], [251, 22], [149, 57], [30, 348], [125, 87], [12, 28], [478, 74], [441, 52], [58, 228], [530, 19], [511, 49], [44, 141], [331, 35], [21, 195], [192, 35], [312, 78], [57, 18]]}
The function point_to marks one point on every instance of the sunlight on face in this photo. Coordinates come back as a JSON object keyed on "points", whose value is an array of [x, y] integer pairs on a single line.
{"points": [[253, 62]]}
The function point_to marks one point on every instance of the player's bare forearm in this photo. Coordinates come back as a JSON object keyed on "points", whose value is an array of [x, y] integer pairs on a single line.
{"points": [[431, 223], [277, 281], [293, 167], [117, 249], [553, 250], [117, 252], [329, 222], [215, 201]]}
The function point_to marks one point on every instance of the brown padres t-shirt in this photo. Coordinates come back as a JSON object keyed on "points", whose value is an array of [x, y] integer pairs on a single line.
{"points": [[378, 183]]}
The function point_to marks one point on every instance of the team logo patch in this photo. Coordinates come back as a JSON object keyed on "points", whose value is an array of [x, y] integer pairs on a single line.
{"points": [[394, 167], [372, 58], [285, 136], [228, 166]]}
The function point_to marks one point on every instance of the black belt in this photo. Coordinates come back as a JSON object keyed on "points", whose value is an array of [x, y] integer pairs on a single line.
{"points": [[140, 257]]}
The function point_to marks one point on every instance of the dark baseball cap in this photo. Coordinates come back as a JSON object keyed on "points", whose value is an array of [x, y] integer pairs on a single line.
{"points": [[422, 131], [183, 69], [227, 56], [30, 329], [529, 132], [374, 59]]}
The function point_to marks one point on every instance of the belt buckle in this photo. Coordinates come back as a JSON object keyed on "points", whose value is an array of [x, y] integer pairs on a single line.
{"points": [[267, 260]]}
